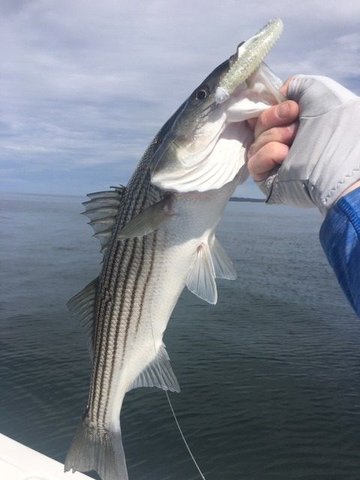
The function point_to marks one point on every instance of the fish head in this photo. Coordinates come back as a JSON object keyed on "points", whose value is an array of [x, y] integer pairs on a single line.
{"points": [[203, 145]]}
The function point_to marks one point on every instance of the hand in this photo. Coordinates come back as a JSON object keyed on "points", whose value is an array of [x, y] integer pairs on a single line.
{"points": [[323, 161]]}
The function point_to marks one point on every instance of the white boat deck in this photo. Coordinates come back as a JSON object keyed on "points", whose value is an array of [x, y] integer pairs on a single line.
{"points": [[18, 462]]}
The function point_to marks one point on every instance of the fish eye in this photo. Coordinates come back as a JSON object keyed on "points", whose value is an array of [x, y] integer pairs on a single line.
{"points": [[202, 93]]}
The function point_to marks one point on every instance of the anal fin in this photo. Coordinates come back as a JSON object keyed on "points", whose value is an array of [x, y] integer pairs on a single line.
{"points": [[158, 374]]}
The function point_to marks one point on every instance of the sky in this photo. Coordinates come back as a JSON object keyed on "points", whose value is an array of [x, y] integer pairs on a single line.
{"points": [[85, 85]]}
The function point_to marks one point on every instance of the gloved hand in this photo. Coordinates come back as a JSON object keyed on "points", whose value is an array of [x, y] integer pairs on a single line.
{"points": [[324, 159]]}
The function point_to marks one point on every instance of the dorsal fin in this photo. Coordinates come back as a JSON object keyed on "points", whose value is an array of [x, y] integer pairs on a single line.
{"points": [[82, 305], [102, 209]]}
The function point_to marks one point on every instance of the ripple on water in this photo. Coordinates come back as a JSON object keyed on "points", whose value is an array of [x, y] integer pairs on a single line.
{"points": [[270, 376]]}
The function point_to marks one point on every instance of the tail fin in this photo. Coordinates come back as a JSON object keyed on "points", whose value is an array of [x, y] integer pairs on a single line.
{"points": [[99, 450]]}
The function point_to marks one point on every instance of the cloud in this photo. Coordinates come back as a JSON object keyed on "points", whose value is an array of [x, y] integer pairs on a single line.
{"points": [[86, 85], [340, 60]]}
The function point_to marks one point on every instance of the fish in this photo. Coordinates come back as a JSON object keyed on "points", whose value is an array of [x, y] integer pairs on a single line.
{"points": [[158, 236]]}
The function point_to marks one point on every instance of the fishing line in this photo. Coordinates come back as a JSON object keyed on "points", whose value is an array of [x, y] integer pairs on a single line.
{"points": [[174, 414], [183, 437]]}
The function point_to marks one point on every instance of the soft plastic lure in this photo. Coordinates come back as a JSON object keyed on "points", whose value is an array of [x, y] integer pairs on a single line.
{"points": [[249, 56]]}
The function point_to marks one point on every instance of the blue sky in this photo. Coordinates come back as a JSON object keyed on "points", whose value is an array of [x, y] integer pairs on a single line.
{"points": [[85, 85]]}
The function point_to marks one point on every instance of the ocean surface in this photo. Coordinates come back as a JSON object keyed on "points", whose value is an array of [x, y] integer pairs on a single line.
{"points": [[270, 376]]}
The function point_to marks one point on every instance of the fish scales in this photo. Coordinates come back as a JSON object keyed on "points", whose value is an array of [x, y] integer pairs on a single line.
{"points": [[114, 277], [158, 235], [117, 282]]}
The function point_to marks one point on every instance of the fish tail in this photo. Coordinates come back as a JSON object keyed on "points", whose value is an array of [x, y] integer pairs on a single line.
{"points": [[97, 449]]}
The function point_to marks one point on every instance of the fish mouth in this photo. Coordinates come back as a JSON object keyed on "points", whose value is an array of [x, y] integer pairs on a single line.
{"points": [[247, 59], [260, 91], [213, 151]]}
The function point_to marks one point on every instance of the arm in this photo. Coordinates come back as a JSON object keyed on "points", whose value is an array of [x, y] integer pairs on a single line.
{"points": [[274, 132], [340, 240]]}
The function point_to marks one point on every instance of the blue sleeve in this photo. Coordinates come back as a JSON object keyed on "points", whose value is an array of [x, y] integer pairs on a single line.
{"points": [[340, 239]]}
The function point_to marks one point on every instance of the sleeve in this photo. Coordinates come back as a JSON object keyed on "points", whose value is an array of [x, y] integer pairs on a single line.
{"points": [[340, 240]]}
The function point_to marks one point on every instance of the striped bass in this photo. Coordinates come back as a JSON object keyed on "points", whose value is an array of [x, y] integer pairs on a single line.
{"points": [[158, 236]]}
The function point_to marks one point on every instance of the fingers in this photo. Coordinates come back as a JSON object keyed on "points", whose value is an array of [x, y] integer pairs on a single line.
{"points": [[274, 133], [283, 114], [283, 134], [266, 159]]}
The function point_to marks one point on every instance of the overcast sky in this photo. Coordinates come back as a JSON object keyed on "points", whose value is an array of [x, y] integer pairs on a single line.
{"points": [[86, 84]]}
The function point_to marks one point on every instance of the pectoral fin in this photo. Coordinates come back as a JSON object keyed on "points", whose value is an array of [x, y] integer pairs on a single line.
{"points": [[201, 277], [147, 221]]}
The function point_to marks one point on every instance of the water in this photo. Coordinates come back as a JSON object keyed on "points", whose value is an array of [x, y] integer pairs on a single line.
{"points": [[270, 376]]}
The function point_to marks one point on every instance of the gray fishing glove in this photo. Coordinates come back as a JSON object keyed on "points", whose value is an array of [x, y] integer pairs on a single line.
{"points": [[324, 159]]}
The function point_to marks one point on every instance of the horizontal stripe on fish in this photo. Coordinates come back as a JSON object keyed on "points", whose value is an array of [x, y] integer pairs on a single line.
{"points": [[116, 313], [117, 256]]}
